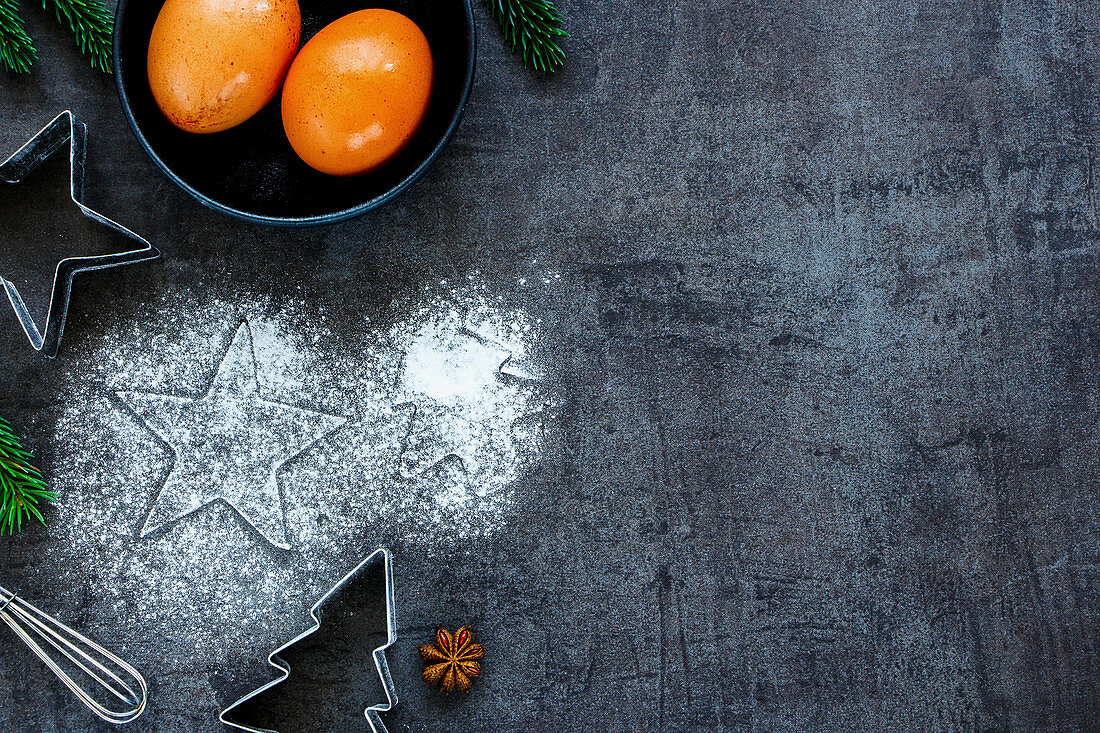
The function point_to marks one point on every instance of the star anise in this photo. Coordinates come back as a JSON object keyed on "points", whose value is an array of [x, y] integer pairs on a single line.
{"points": [[452, 660]]}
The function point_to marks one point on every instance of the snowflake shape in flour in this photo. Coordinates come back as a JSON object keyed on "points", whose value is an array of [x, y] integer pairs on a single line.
{"points": [[463, 387], [228, 444]]}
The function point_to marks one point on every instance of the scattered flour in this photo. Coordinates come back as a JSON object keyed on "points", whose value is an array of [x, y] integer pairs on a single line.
{"points": [[434, 420]]}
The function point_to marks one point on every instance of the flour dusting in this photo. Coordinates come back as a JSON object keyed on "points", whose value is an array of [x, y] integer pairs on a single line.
{"points": [[433, 420]]}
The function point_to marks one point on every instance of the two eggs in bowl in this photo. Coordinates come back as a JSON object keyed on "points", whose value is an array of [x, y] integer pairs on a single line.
{"points": [[250, 171], [352, 97]]}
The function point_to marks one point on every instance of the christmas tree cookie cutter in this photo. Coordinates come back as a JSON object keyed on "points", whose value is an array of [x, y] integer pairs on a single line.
{"points": [[64, 128], [381, 555]]}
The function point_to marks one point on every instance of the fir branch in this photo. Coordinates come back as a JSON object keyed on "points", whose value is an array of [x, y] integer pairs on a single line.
{"points": [[21, 484], [92, 25], [534, 26], [17, 51]]}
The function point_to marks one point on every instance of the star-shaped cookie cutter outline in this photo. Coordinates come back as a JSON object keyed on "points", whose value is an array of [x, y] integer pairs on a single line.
{"points": [[379, 653], [241, 346], [64, 128]]}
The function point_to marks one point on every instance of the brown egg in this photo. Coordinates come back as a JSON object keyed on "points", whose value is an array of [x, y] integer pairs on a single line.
{"points": [[357, 92], [215, 63]]}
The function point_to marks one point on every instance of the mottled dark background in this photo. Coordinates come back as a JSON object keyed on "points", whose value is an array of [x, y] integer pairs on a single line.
{"points": [[826, 352]]}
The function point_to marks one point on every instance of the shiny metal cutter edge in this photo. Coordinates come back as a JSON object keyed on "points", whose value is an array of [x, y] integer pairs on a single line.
{"points": [[64, 128], [379, 654]]}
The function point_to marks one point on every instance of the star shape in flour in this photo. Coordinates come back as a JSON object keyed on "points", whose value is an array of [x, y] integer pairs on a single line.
{"points": [[458, 382], [228, 444]]}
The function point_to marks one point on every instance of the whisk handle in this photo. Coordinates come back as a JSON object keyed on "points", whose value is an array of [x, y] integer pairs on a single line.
{"points": [[119, 691]]}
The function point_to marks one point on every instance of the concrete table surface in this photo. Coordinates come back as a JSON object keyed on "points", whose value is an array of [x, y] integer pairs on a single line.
{"points": [[816, 288]]}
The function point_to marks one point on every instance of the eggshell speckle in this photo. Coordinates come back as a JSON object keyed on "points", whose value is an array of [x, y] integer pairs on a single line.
{"points": [[214, 63]]}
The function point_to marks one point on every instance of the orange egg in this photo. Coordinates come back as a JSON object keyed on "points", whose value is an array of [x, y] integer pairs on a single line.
{"points": [[357, 92], [214, 63]]}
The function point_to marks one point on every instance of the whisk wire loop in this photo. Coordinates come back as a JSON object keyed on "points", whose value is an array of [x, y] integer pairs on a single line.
{"points": [[119, 680]]}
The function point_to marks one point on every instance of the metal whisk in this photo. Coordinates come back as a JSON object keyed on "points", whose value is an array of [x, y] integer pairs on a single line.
{"points": [[122, 690]]}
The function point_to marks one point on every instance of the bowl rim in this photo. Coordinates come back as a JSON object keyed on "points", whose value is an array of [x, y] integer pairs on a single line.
{"points": [[300, 221]]}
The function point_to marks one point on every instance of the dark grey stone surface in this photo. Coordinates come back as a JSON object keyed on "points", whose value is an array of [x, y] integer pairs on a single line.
{"points": [[826, 354]]}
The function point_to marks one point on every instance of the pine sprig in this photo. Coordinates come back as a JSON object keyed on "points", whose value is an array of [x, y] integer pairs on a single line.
{"points": [[21, 484], [17, 51], [92, 25], [533, 27], [88, 20]]}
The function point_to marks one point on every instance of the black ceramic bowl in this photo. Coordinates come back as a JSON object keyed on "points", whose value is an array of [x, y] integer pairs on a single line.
{"points": [[250, 171]]}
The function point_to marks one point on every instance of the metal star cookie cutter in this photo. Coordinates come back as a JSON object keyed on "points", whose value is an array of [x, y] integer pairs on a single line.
{"points": [[379, 653], [64, 128]]}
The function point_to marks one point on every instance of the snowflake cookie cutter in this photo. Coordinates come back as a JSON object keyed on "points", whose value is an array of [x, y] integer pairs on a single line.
{"points": [[64, 128], [383, 556]]}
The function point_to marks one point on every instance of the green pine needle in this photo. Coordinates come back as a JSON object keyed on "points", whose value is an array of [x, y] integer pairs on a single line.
{"points": [[533, 26], [92, 25], [21, 484], [17, 51]]}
